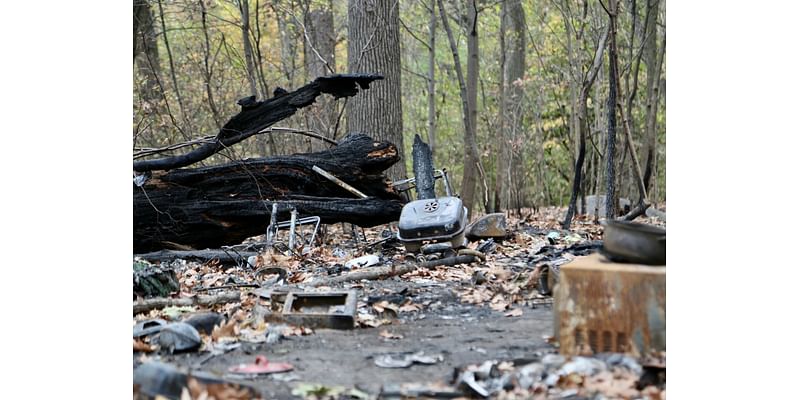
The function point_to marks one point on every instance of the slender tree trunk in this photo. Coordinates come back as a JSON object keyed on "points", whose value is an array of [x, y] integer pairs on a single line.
{"points": [[244, 10], [501, 143], [583, 126], [432, 81], [374, 46], [208, 70], [611, 193], [515, 71], [184, 115], [472, 167], [653, 58], [320, 60]]}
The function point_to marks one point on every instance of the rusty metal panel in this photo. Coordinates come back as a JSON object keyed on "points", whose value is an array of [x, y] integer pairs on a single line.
{"points": [[606, 306]]}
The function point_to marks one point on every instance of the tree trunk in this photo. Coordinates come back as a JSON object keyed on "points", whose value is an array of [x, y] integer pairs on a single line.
{"points": [[654, 58], [145, 49], [374, 45], [583, 126], [184, 115], [465, 108], [225, 204], [320, 60], [472, 167], [611, 193], [501, 151], [514, 173], [432, 81], [208, 70], [244, 10]]}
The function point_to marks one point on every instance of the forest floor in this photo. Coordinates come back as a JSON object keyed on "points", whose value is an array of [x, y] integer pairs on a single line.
{"points": [[477, 329]]}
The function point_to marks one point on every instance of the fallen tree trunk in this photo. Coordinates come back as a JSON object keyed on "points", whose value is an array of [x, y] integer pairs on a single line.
{"points": [[225, 204], [223, 256]]}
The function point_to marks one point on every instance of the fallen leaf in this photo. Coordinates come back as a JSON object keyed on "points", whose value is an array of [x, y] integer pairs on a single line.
{"points": [[408, 306], [230, 329], [139, 345]]}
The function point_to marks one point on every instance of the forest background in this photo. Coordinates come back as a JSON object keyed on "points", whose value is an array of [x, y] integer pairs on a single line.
{"points": [[534, 78]]}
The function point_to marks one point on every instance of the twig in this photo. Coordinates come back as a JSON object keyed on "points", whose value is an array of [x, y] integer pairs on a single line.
{"points": [[299, 132]]}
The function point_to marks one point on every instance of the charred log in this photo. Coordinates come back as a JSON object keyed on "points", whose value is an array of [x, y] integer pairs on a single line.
{"points": [[225, 204]]}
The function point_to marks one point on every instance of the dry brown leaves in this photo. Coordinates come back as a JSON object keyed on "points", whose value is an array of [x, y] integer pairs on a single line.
{"points": [[139, 345], [370, 321], [197, 390]]}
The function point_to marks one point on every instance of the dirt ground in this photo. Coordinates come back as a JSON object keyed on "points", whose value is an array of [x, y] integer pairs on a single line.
{"points": [[466, 314]]}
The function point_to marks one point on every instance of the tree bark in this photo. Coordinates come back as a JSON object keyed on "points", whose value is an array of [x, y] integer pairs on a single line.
{"points": [[207, 69], [374, 45], [654, 58], [501, 151], [611, 138], [432, 81], [320, 61], [145, 49], [469, 99], [244, 10], [225, 204], [512, 106]]}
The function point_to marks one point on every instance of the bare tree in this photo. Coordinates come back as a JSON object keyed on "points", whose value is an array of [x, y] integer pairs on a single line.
{"points": [[583, 126], [374, 47]]}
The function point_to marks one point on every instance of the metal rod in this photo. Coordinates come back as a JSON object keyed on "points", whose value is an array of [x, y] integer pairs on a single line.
{"points": [[291, 228], [272, 229], [339, 182]]}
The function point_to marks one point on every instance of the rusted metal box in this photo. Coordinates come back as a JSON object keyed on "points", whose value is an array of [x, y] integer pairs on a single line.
{"points": [[610, 307], [332, 310]]}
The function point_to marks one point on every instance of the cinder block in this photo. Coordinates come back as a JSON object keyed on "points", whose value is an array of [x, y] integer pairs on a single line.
{"points": [[610, 307]]}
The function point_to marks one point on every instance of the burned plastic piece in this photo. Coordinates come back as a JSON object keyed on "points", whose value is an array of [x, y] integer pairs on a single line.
{"points": [[204, 322], [332, 310], [179, 336], [148, 327], [158, 379]]}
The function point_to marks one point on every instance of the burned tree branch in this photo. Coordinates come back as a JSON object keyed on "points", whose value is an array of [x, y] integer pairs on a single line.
{"points": [[258, 115]]}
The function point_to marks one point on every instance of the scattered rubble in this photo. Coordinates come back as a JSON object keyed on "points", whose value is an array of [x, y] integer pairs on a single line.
{"points": [[272, 307]]}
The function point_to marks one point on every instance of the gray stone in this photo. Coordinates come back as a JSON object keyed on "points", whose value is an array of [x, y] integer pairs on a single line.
{"points": [[592, 202], [488, 226]]}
